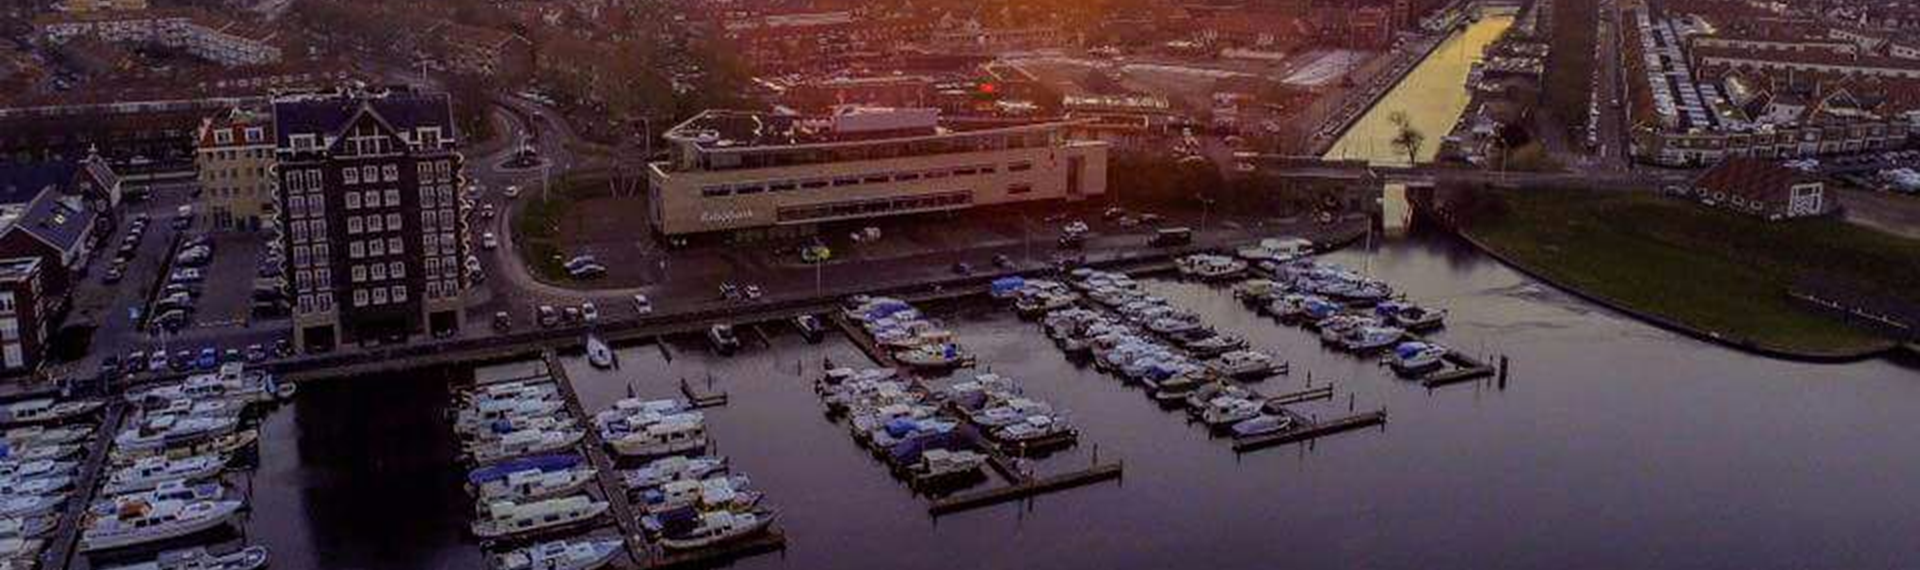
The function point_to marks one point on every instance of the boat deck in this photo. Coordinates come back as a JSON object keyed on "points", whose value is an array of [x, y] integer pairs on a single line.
{"points": [[64, 542], [1308, 428]]}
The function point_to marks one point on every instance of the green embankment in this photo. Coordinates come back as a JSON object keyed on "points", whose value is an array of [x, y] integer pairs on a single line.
{"points": [[1706, 269]]}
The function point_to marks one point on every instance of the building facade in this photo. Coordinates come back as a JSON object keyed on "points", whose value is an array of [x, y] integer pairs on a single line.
{"points": [[222, 41], [23, 330], [369, 209], [235, 156], [1763, 189], [749, 175]]}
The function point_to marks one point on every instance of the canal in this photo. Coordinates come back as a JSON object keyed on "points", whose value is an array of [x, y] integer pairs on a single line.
{"points": [[1433, 96], [1613, 445]]}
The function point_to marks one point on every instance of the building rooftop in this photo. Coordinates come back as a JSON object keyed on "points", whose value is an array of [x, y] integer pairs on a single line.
{"points": [[327, 113], [716, 130]]}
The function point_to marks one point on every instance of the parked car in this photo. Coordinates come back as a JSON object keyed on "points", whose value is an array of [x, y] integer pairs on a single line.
{"points": [[592, 271], [642, 305], [502, 321], [488, 241], [185, 275], [256, 353], [589, 312], [547, 316], [114, 275], [208, 359], [570, 315]]}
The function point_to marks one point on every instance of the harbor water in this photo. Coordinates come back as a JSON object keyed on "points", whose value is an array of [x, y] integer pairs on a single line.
{"points": [[1433, 95], [1613, 444]]}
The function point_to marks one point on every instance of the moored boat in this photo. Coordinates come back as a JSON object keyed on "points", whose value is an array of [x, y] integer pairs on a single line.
{"points": [[572, 554], [140, 522], [199, 558], [507, 518]]}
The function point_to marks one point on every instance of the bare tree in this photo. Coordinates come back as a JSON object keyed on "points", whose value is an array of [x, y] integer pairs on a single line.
{"points": [[1408, 139]]}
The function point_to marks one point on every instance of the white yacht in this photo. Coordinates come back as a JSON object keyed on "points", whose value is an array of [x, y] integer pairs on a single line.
{"points": [[527, 390], [717, 527], [1264, 424], [141, 522], [180, 491], [934, 356], [1246, 365], [725, 492], [1414, 357], [31, 487], [506, 518], [1365, 339], [163, 431], [939, 463], [678, 433], [232, 381], [224, 445], [573, 554], [38, 452], [198, 558], [535, 483], [46, 410], [524, 442], [598, 353], [1225, 411], [27, 526], [33, 436], [669, 469], [1410, 316], [36, 469], [477, 416], [1031, 429], [152, 471], [29, 505]]}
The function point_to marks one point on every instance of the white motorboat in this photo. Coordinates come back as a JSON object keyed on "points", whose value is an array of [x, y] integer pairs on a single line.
{"points": [[1414, 357], [1215, 345], [638, 411], [1044, 303], [232, 381], [12, 487], [1246, 365], [480, 416], [1032, 429], [680, 433], [507, 518], [1257, 291], [140, 522], [1337, 326], [152, 471], [717, 527], [572, 554], [534, 483], [34, 436], [29, 505], [181, 491], [1177, 324], [940, 463], [155, 432], [1225, 411], [598, 353], [524, 390], [36, 469], [524, 442], [27, 526], [38, 452], [1264, 424], [225, 445], [1009, 411], [1411, 317], [933, 357], [727, 492], [669, 469], [199, 558], [1365, 339], [46, 410]]}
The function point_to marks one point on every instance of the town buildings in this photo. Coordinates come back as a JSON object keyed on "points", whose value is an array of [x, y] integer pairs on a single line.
{"points": [[206, 36], [369, 208], [1763, 188], [235, 159], [23, 326], [50, 215], [748, 176]]}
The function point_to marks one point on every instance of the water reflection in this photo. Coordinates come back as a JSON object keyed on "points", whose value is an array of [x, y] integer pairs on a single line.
{"points": [[1433, 96]]}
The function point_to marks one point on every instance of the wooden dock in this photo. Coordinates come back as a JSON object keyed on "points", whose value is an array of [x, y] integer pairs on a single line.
{"points": [[1308, 395], [1309, 429], [702, 397], [605, 473], [64, 542], [1024, 488], [1465, 368]]}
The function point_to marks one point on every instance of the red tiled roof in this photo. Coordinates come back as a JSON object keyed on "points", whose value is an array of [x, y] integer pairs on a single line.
{"points": [[1751, 178]]}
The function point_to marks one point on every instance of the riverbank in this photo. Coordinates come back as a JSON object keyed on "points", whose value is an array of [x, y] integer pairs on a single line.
{"points": [[1716, 276]]}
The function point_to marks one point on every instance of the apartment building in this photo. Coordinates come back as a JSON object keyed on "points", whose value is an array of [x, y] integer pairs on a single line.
{"points": [[219, 40], [235, 157], [750, 176], [368, 205], [23, 327]]}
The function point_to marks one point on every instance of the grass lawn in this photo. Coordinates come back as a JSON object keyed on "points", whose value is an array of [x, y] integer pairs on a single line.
{"points": [[536, 227], [1708, 269]]}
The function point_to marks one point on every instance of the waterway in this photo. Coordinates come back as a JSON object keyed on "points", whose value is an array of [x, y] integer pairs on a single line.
{"points": [[1433, 96], [1613, 445]]}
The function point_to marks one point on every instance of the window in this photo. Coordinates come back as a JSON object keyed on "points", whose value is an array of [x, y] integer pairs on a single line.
{"points": [[297, 206], [390, 173], [376, 247], [1020, 167], [369, 173], [393, 246], [359, 297], [397, 269], [359, 273], [299, 232], [446, 245], [374, 223], [353, 200], [433, 266], [302, 142], [379, 295], [393, 222], [356, 250], [715, 191], [256, 134], [301, 256], [1018, 189], [393, 197], [6, 302], [350, 175], [325, 302], [316, 206], [306, 303], [354, 226], [223, 136], [371, 199], [426, 197], [399, 293], [433, 289], [319, 229], [379, 272], [426, 222]]}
